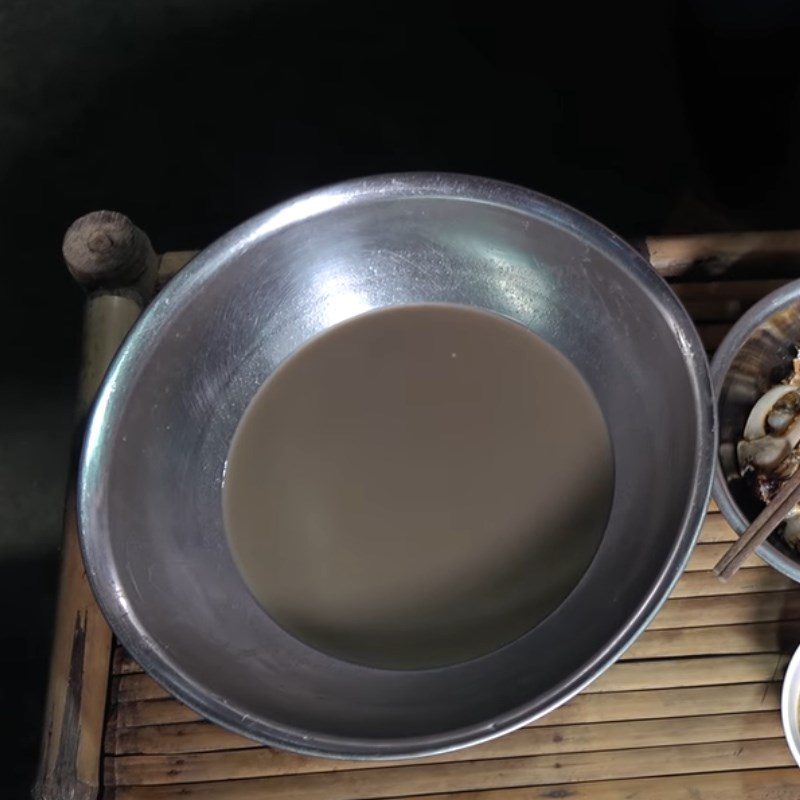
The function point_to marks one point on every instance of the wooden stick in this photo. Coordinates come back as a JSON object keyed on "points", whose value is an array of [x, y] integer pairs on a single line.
{"points": [[715, 253], [761, 527], [115, 262]]}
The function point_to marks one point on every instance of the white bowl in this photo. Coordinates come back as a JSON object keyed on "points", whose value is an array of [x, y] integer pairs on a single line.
{"points": [[790, 698]]}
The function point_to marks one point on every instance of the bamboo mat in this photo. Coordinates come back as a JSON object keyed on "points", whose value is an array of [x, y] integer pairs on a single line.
{"points": [[690, 712]]}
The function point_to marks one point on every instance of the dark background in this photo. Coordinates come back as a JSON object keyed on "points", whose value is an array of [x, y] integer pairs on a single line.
{"points": [[191, 116]]}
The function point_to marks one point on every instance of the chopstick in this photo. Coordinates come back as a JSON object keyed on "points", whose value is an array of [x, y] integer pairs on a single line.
{"points": [[760, 528]]}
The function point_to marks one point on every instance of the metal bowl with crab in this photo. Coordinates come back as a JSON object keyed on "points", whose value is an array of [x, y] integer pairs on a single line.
{"points": [[756, 375]]}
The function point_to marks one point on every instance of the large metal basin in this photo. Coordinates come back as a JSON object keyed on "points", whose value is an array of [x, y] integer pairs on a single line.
{"points": [[150, 507]]}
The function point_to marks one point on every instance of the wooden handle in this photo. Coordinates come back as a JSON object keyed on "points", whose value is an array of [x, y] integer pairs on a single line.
{"points": [[115, 262]]}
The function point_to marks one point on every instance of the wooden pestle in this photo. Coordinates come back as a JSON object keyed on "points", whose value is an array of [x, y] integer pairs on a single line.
{"points": [[115, 263]]}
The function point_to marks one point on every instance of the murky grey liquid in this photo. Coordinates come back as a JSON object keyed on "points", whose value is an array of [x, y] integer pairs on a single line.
{"points": [[418, 486]]}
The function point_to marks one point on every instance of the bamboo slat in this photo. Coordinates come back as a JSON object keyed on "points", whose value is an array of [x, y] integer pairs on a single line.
{"points": [[716, 529], [136, 686], [706, 555], [761, 784], [151, 712], [200, 737], [566, 768], [702, 612], [664, 673], [663, 703], [259, 762], [746, 581], [123, 664], [186, 737], [759, 637]]}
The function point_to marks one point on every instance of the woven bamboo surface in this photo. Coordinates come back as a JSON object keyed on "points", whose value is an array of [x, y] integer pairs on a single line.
{"points": [[690, 712]]}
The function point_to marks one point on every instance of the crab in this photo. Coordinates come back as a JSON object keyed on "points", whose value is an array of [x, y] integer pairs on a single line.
{"points": [[769, 451]]}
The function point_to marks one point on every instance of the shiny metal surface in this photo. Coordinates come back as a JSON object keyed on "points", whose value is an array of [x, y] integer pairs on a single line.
{"points": [[756, 353], [153, 462]]}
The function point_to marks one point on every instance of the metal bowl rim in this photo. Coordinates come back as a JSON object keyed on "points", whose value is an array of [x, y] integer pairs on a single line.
{"points": [[405, 186]]}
